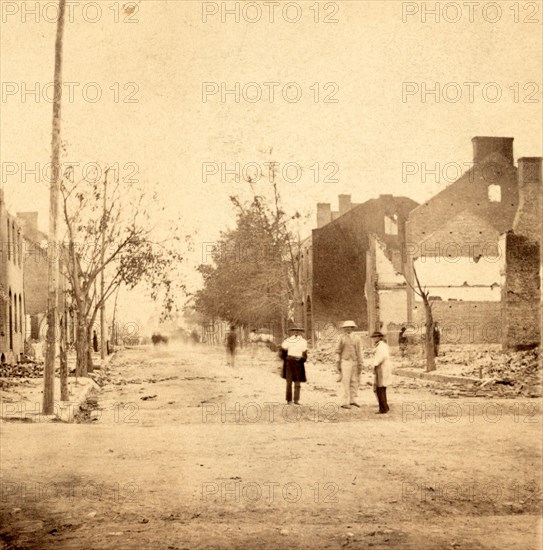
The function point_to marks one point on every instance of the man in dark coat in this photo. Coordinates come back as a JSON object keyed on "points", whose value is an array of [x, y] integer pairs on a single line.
{"points": [[231, 345], [294, 355], [402, 341]]}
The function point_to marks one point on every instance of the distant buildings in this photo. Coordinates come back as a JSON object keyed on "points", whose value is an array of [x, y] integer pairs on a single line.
{"points": [[35, 279]]}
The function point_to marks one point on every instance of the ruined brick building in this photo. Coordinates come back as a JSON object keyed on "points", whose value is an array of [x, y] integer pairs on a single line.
{"points": [[456, 245], [475, 246], [521, 293], [334, 258]]}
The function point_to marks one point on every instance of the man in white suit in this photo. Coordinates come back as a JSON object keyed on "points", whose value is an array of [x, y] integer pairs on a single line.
{"points": [[349, 364]]}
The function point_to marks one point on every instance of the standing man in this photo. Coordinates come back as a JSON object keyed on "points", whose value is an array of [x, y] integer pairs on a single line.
{"points": [[402, 341], [437, 338], [349, 364], [382, 367], [231, 345], [294, 355]]}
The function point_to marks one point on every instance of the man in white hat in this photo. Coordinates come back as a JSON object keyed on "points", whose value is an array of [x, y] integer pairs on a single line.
{"points": [[294, 355], [349, 364]]}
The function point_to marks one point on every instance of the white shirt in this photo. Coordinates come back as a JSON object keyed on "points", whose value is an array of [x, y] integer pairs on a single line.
{"points": [[295, 346], [382, 364]]}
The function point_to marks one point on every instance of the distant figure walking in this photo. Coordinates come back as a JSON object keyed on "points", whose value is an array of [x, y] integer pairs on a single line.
{"points": [[294, 355], [95, 342], [402, 341], [437, 338], [231, 345], [349, 364], [253, 344], [382, 367]]}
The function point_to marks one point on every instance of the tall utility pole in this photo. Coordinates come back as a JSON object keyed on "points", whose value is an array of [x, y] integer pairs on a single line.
{"points": [[52, 276], [103, 331]]}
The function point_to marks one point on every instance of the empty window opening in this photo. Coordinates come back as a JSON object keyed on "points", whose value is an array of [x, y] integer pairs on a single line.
{"points": [[494, 193], [391, 225]]}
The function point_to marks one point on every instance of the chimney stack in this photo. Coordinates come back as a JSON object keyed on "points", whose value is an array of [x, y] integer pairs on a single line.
{"points": [[484, 146], [344, 202], [528, 217], [324, 214]]}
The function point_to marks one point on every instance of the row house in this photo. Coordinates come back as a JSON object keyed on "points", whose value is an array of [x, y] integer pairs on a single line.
{"points": [[12, 296]]}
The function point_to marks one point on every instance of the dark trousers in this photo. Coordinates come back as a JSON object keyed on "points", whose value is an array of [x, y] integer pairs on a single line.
{"points": [[297, 387], [382, 398]]}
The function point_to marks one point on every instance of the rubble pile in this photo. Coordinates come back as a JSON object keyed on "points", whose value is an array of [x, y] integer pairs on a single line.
{"points": [[516, 372], [509, 375], [22, 370], [88, 410], [325, 352], [520, 366]]}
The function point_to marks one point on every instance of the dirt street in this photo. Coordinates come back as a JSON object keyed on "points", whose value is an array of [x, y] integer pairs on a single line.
{"points": [[185, 452]]}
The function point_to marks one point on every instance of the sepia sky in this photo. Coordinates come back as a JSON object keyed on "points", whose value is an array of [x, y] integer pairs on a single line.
{"points": [[366, 57]]}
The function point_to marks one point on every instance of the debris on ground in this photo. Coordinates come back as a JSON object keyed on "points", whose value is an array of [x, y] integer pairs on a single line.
{"points": [[501, 374], [89, 410], [22, 370], [147, 397]]}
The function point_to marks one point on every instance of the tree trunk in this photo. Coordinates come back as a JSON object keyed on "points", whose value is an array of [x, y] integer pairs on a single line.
{"points": [[90, 366], [298, 310], [429, 343], [63, 358], [81, 347]]}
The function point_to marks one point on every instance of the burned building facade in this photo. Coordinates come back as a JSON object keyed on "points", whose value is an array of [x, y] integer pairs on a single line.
{"points": [[335, 280], [455, 242], [521, 293]]}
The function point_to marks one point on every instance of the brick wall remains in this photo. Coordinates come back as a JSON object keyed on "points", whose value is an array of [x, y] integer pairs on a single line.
{"points": [[463, 322], [521, 293]]}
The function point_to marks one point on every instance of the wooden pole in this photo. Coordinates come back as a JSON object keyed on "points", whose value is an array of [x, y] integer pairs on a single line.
{"points": [[52, 275], [103, 331]]}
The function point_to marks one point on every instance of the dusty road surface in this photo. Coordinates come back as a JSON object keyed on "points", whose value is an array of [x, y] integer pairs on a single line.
{"points": [[187, 453]]}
